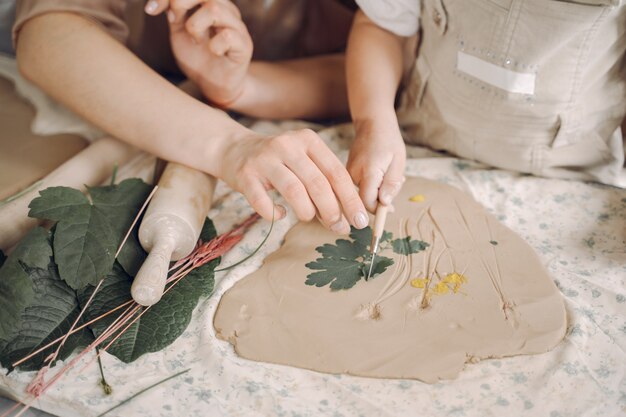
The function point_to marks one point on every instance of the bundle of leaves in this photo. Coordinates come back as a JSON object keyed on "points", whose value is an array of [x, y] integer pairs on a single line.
{"points": [[343, 264], [50, 275]]}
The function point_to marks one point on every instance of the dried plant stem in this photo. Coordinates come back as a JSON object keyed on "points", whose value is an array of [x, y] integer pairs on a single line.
{"points": [[143, 390], [204, 253], [103, 381], [41, 349], [53, 357]]}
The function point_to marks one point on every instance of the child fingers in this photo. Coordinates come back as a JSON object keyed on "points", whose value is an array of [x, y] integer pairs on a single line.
{"points": [[178, 11], [368, 188], [392, 182], [212, 14], [231, 42]]}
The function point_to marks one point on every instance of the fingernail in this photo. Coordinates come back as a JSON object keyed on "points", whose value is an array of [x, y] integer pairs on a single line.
{"points": [[385, 198], [151, 7], [340, 227], [360, 220], [281, 211], [170, 16]]}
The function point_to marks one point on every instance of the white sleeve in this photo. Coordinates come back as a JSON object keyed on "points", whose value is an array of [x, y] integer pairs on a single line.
{"points": [[397, 16]]}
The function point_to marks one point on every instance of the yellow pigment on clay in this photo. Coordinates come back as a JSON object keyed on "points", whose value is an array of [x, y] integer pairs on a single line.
{"points": [[417, 198], [456, 279], [419, 282], [451, 282]]}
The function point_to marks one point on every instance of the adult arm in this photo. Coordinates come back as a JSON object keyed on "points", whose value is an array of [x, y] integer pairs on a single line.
{"points": [[81, 66]]}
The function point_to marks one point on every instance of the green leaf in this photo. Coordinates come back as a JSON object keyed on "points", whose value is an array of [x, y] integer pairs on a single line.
{"points": [[386, 236], [203, 277], [342, 249], [48, 316], [16, 291], [161, 325], [343, 264], [120, 204], [88, 235], [84, 248], [363, 236], [339, 273], [208, 231], [58, 203], [164, 322], [406, 246], [381, 263]]}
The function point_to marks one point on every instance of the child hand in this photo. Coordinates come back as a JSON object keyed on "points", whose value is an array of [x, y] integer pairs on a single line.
{"points": [[376, 163], [211, 44], [300, 166]]}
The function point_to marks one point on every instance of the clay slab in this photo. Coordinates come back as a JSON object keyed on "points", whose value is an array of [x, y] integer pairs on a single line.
{"points": [[402, 323]]}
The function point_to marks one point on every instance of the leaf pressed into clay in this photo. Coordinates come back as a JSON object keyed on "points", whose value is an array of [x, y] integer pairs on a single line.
{"points": [[16, 289], [406, 246], [164, 322], [48, 316], [345, 262], [87, 235]]}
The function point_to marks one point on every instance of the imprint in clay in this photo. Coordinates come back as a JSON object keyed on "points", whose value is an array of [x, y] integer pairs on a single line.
{"points": [[458, 299]]}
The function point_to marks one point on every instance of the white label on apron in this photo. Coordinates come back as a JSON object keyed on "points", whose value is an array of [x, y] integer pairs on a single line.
{"points": [[515, 82]]}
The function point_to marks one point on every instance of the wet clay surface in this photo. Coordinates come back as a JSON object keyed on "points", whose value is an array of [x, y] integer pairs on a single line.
{"points": [[478, 291]]}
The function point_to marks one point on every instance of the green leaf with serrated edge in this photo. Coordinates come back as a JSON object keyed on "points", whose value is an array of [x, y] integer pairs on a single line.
{"points": [[339, 273], [164, 322], [88, 235], [48, 316], [84, 248], [342, 249], [362, 236], [386, 236], [120, 204], [381, 263], [58, 203], [344, 263], [406, 246], [16, 291]]}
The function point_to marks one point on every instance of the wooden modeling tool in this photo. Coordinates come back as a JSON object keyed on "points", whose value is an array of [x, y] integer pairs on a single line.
{"points": [[379, 227], [171, 227]]}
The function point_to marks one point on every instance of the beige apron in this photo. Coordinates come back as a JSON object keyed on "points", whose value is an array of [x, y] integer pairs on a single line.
{"points": [[535, 86]]}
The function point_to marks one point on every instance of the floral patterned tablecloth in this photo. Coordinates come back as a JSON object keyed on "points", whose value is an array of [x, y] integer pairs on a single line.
{"points": [[579, 231]]}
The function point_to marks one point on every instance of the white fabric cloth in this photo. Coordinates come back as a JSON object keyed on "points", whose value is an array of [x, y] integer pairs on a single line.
{"points": [[578, 230], [397, 16]]}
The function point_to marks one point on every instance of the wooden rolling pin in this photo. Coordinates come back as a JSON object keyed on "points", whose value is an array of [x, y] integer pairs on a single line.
{"points": [[171, 227]]}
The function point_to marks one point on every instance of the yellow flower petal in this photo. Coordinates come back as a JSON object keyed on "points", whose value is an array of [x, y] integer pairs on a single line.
{"points": [[441, 288], [417, 198], [455, 278], [419, 282]]}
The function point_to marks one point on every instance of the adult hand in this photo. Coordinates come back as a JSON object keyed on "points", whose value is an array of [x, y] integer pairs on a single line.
{"points": [[300, 166], [376, 162], [211, 44]]}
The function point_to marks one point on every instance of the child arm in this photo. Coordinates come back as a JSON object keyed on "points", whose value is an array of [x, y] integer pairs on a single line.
{"points": [[374, 63]]}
